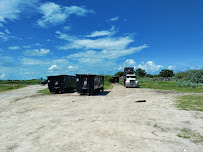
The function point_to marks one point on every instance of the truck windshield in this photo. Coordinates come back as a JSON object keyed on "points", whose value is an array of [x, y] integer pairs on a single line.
{"points": [[131, 76]]}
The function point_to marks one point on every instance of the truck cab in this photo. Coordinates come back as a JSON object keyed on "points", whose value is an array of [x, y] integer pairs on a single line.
{"points": [[131, 81]]}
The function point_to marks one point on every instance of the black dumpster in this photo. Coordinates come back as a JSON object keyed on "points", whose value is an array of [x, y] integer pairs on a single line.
{"points": [[61, 83], [89, 84], [115, 79]]}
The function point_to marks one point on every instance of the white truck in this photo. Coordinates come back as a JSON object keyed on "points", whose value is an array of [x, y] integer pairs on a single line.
{"points": [[129, 77], [131, 81]]}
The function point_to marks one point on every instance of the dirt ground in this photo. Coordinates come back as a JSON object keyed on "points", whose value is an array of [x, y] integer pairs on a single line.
{"points": [[110, 121]]}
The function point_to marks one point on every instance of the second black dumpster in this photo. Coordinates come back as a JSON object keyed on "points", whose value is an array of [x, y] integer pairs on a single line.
{"points": [[89, 84]]}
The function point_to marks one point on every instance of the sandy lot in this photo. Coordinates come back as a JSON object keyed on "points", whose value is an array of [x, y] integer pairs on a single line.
{"points": [[110, 121]]}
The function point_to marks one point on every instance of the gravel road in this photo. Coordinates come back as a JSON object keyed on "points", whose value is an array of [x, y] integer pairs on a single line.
{"points": [[111, 121]]}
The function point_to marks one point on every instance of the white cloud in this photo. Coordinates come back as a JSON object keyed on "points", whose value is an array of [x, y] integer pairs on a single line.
{"points": [[54, 67], [106, 43], [4, 36], [37, 52], [171, 67], [103, 33], [6, 60], [65, 36], [113, 19], [66, 28], [72, 67], [150, 67], [30, 46], [10, 9], [7, 31], [29, 61], [120, 68], [3, 76], [13, 47], [54, 14], [200, 67], [101, 43], [129, 62], [105, 54], [99, 55]]}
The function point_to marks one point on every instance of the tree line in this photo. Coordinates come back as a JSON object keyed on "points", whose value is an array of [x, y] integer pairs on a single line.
{"points": [[142, 73]]}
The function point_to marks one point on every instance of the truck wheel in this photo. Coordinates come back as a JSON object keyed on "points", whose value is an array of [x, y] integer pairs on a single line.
{"points": [[88, 93]]}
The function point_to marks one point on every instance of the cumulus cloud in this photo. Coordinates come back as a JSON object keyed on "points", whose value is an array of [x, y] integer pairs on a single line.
{"points": [[150, 67], [129, 62], [10, 9], [36, 52], [13, 47], [54, 14], [113, 19], [200, 67], [171, 67], [54, 67]]}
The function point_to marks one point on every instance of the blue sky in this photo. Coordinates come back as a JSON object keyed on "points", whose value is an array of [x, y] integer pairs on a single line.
{"points": [[40, 38]]}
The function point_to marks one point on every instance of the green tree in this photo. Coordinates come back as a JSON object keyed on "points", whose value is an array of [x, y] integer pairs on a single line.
{"points": [[119, 74], [149, 75], [141, 73], [166, 73]]}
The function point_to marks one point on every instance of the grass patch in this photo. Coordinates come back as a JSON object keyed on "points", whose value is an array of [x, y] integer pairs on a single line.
{"points": [[163, 85], [22, 82], [107, 85], [190, 102], [191, 135], [107, 82], [44, 91], [121, 82], [11, 87]]}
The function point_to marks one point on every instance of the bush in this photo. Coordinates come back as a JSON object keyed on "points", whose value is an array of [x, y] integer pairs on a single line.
{"points": [[166, 73], [149, 75], [108, 78], [194, 76], [184, 83]]}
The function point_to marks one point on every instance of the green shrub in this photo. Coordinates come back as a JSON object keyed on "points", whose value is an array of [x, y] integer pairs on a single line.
{"points": [[194, 76], [184, 83]]}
